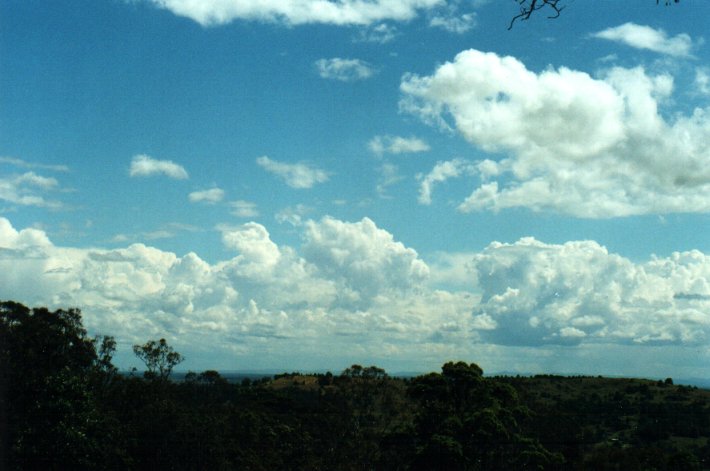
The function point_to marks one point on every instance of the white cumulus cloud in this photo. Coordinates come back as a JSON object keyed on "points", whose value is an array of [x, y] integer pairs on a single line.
{"points": [[365, 257], [535, 293], [145, 166], [298, 175], [574, 144], [645, 37], [353, 286], [295, 12]]}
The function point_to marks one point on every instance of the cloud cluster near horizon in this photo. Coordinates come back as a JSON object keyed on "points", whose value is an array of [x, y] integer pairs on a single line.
{"points": [[352, 284]]}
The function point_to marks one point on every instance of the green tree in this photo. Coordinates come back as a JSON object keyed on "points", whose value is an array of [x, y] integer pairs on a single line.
{"points": [[51, 415], [159, 357], [465, 421]]}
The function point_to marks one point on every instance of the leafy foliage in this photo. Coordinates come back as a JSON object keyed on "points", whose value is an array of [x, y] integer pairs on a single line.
{"points": [[159, 357], [51, 377]]}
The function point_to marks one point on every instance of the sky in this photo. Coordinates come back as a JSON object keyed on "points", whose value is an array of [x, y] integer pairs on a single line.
{"points": [[308, 184]]}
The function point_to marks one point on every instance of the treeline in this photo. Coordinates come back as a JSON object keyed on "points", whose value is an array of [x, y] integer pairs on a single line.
{"points": [[64, 406]]}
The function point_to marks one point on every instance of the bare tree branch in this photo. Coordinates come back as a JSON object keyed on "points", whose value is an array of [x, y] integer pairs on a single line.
{"points": [[528, 7]]}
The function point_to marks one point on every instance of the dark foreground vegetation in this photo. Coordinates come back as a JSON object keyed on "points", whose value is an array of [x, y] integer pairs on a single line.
{"points": [[64, 406]]}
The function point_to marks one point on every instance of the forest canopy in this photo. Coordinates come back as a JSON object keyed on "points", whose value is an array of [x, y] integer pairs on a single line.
{"points": [[67, 407]]}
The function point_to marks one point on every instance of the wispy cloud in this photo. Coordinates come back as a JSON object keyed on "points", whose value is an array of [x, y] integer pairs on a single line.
{"points": [[389, 175], [145, 166], [293, 214], [441, 172], [166, 231], [244, 209], [159, 234], [645, 37], [381, 34], [397, 145], [702, 81], [298, 175], [345, 70], [211, 196], [451, 20], [458, 25], [28, 189], [31, 165]]}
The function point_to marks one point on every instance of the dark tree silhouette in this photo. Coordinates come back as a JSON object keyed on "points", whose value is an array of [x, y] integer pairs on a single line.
{"points": [[554, 8], [528, 7], [51, 378], [159, 358]]}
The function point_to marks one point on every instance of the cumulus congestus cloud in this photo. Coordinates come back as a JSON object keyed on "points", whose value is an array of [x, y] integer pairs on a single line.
{"points": [[347, 278], [351, 284], [591, 147], [535, 293]]}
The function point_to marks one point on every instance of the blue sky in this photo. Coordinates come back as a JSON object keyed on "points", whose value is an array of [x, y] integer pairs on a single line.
{"points": [[309, 184]]}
